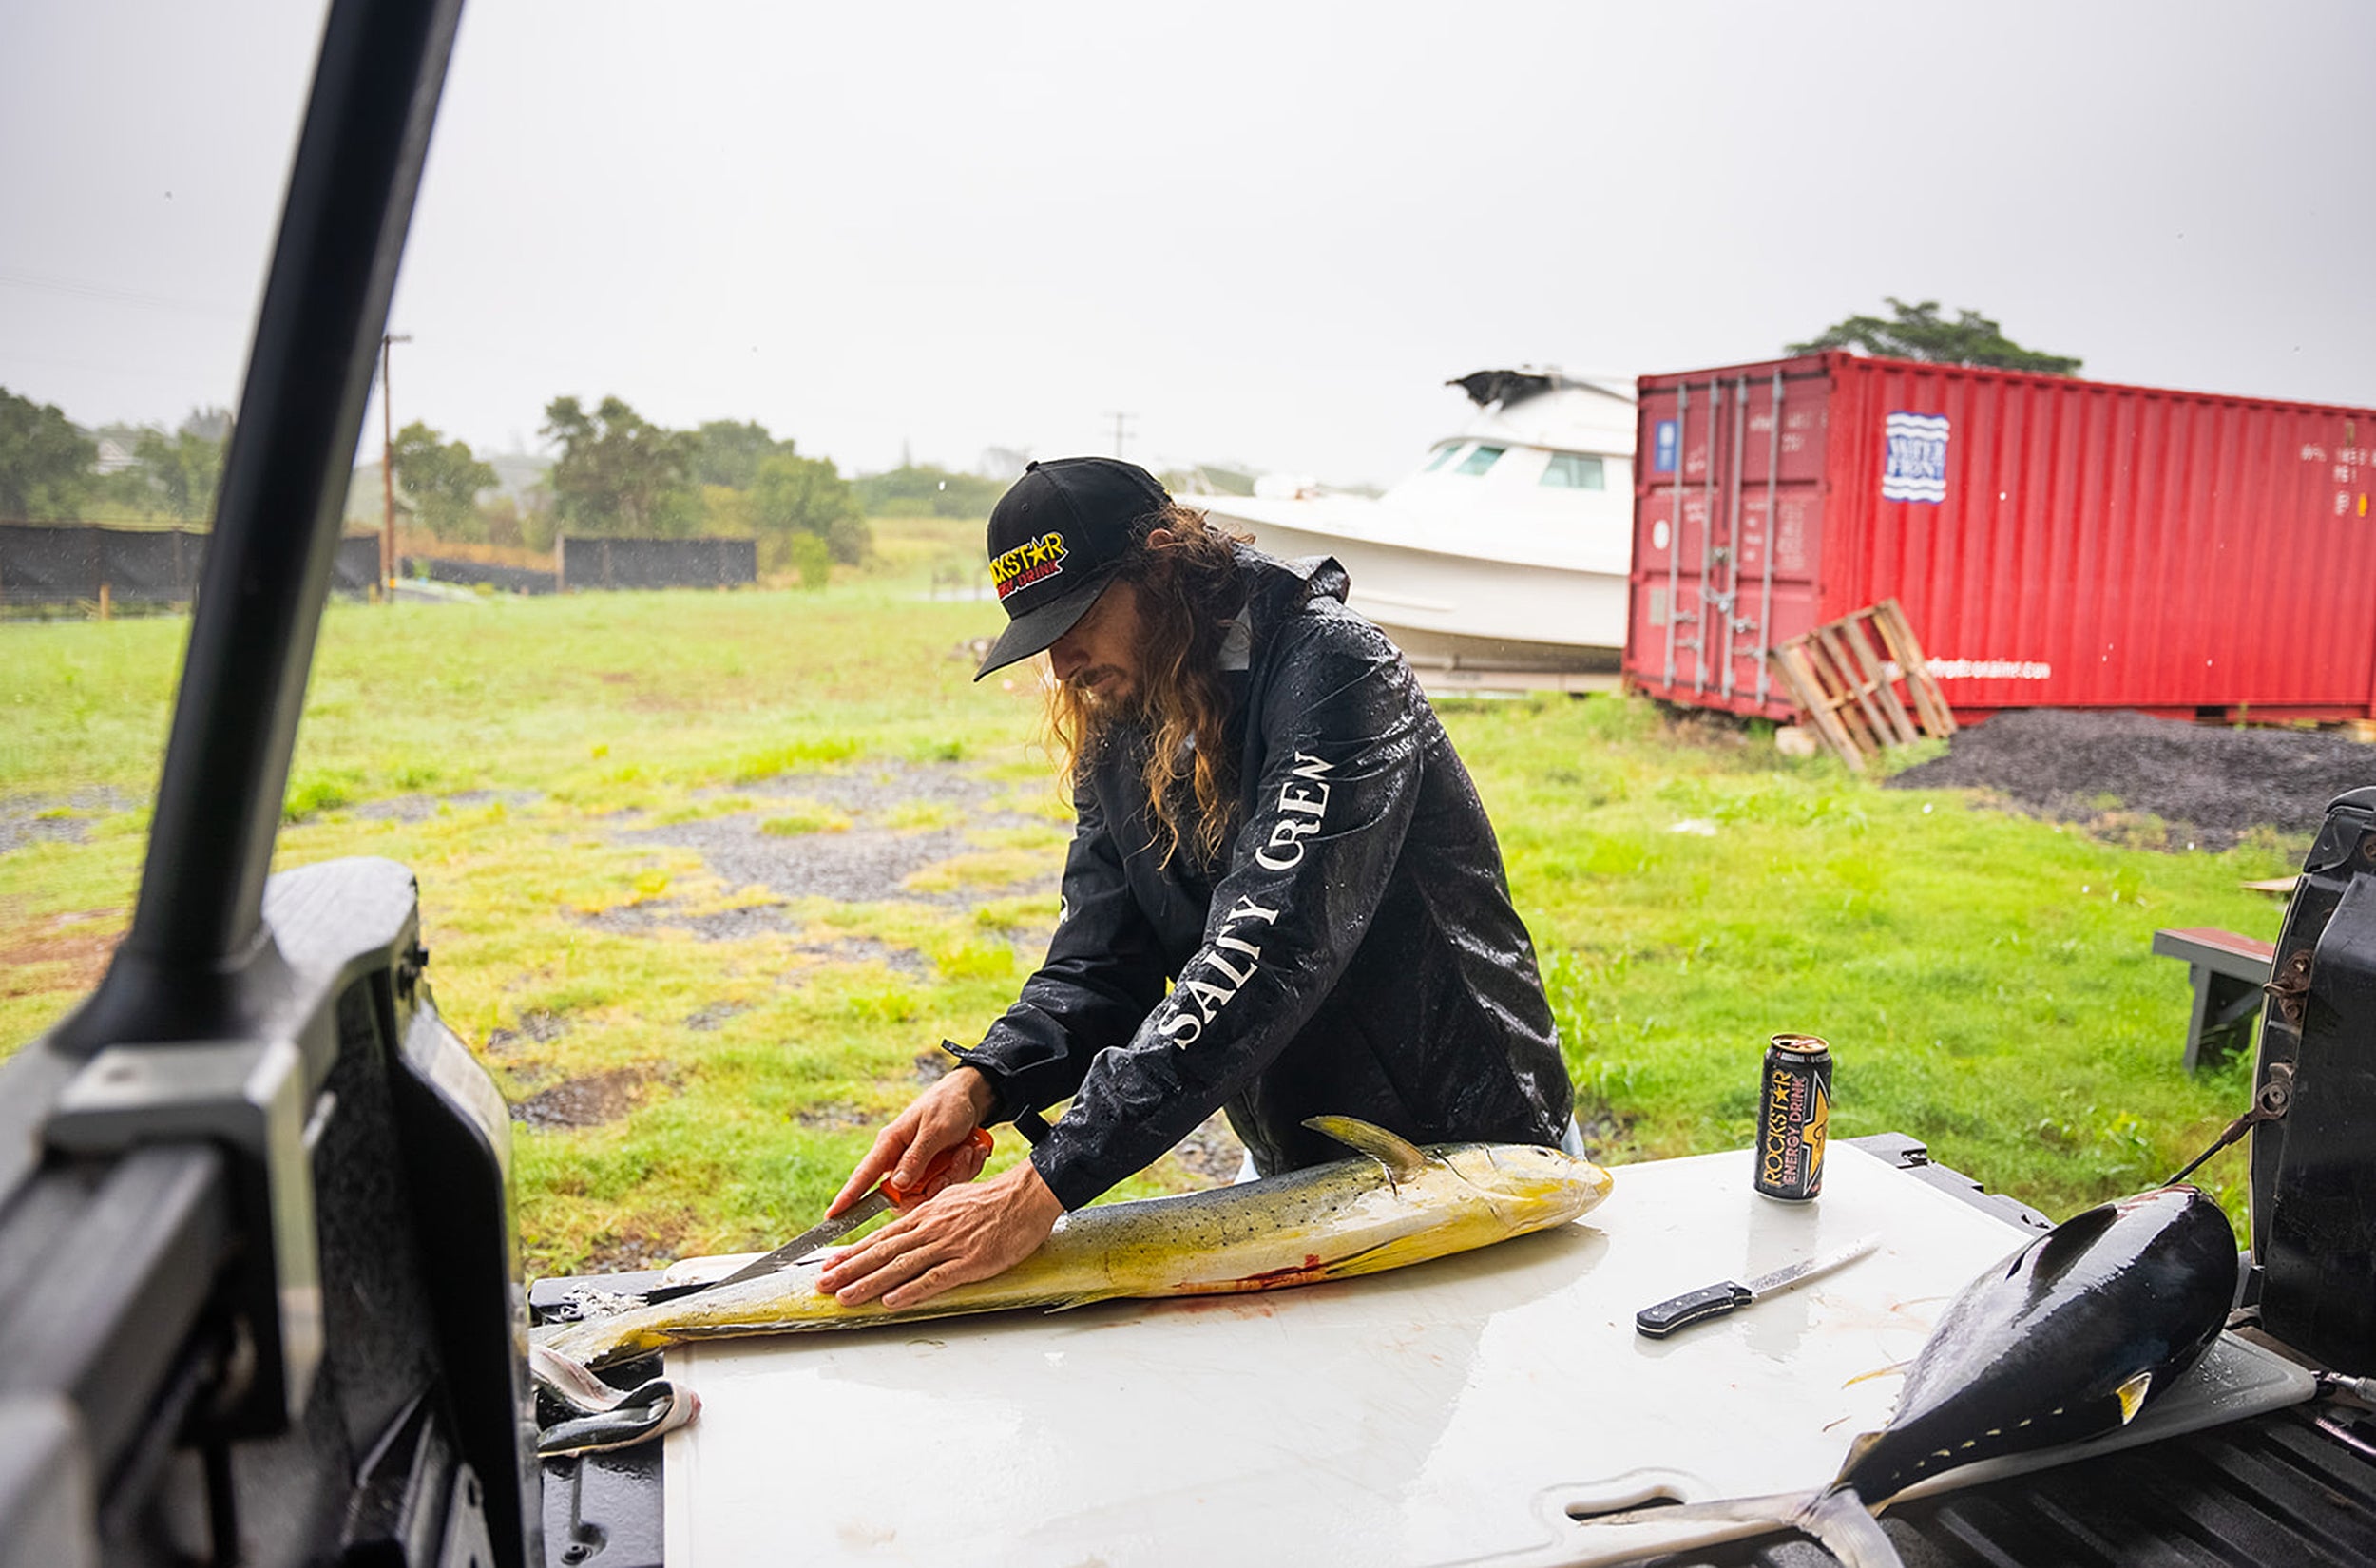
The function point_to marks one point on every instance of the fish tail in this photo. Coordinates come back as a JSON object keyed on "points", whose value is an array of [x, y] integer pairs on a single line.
{"points": [[1840, 1520]]}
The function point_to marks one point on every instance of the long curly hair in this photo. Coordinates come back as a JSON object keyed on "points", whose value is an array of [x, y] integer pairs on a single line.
{"points": [[1187, 586]]}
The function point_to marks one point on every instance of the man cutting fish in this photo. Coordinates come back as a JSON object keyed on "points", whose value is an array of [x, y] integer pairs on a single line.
{"points": [[1271, 822]]}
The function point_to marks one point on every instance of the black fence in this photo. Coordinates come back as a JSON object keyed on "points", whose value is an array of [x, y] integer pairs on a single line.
{"points": [[657, 562], [354, 569], [59, 563], [470, 574], [74, 563]]}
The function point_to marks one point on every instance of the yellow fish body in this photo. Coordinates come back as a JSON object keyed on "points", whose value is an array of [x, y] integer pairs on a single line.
{"points": [[1400, 1204]]}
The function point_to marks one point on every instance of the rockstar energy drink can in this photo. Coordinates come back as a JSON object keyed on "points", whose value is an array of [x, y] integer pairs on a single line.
{"points": [[1794, 1118]]}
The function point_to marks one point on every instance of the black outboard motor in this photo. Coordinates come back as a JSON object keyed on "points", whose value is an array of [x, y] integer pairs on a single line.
{"points": [[260, 1300], [2313, 1177]]}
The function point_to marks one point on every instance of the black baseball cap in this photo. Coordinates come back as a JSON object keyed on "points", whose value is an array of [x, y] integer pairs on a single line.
{"points": [[1055, 538]]}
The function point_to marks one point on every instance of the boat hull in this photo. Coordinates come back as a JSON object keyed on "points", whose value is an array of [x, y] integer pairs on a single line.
{"points": [[1464, 612]]}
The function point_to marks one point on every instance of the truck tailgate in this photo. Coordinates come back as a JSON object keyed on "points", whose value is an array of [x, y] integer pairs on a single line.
{"points": [[1453, 1412]]}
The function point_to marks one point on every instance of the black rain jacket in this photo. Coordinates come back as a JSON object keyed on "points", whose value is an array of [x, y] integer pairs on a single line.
{"points": [[1354, 952]]}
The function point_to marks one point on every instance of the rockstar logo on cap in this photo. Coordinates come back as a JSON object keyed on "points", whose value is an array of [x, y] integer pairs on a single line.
{"points": [[1033, 561]]}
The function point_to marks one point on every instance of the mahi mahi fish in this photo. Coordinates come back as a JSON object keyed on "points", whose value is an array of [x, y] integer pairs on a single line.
{"points": [[1397, 1204], [2065, 1340]]}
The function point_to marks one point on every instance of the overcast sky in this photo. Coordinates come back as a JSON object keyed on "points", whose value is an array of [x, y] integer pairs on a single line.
{"points": [[1267, 232]]}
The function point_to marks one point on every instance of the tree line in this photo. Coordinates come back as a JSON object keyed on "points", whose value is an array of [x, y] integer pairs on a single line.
{"points": [[615, 473], [51, 469]]}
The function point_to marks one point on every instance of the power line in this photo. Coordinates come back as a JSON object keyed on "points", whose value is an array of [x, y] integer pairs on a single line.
{"points": [[51, 283], [1122, 431]]}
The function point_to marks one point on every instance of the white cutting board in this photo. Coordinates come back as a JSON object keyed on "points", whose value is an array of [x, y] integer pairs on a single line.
{"points": [[1447, 1413]]}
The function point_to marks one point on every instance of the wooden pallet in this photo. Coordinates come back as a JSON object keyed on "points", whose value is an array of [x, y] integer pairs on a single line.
{"points": [[1844, 674]]}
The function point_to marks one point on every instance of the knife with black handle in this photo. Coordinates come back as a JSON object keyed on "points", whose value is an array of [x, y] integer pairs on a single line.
{"points": [[1657, 1321]]}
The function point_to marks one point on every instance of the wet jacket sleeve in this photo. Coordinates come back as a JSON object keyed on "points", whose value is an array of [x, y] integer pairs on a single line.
{"points": [[1104, 972], [1344, 756]]}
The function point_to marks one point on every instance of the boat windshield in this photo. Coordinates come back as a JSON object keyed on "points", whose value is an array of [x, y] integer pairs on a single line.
{"points": [[1574, 471], [1443, 456], [1479, 460]]}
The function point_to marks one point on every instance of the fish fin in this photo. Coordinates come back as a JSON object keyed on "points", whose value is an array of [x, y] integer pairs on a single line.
{"points": [[1840, 1520], [1893, 1369], [2132, 1395], [2073, 1236], [1087, 1298], [1401, 1157]]}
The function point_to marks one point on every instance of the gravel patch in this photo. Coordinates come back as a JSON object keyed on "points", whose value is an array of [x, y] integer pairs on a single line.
{"points": [[660, 914], [535, 1027], [420, 808], [634, 1252], [863, 863], [28, 819], [865, 949], [875, 788], [713, 1016], [1213, 1152], [2219, 781], [665, 914]]}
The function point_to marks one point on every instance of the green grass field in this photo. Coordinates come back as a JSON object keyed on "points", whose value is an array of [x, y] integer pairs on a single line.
{"points": [[1985, 979]]}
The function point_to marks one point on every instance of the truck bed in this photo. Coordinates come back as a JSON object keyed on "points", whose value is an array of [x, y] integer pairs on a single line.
{"points": [[2269, 1489]]}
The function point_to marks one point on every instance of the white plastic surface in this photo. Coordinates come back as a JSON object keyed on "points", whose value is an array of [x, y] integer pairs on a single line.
{"points": [[1447, 1413]]}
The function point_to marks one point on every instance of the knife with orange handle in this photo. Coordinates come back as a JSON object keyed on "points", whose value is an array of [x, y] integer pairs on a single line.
{"points": [[886, 1195]]}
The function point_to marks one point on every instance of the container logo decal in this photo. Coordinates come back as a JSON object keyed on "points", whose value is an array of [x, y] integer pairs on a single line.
{"points": [[1974, 669], [1665, 445], [1917, 468], [1989, 669]]}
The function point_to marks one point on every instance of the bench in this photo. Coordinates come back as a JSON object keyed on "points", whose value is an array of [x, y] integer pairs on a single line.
{"points": [[2229, 972]]}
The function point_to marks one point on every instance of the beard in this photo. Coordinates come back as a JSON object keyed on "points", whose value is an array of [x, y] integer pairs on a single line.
{"points": [[1107, 695], [1104, 712]]}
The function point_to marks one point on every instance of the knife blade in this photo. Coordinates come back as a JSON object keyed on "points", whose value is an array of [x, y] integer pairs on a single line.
{"points": [[1657, 1321], [825, 1232]]}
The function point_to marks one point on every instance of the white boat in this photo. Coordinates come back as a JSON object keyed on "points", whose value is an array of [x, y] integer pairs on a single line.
{"points": [[1506, 552]]}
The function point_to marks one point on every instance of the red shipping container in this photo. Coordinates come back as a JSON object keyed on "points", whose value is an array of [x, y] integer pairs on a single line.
{"points": [[2055, 542]]}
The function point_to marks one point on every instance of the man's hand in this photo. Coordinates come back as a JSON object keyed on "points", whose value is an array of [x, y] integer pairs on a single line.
{"points": [[962, 1235], [937, 1121]]}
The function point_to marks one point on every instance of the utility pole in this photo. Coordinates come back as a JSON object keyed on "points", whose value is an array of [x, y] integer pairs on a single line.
{"points": [[1122, 432], [388, 467]]}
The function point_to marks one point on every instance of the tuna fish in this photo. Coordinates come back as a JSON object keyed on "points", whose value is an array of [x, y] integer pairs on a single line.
{"points": [[2065, 1340], [1399, 1204]]}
